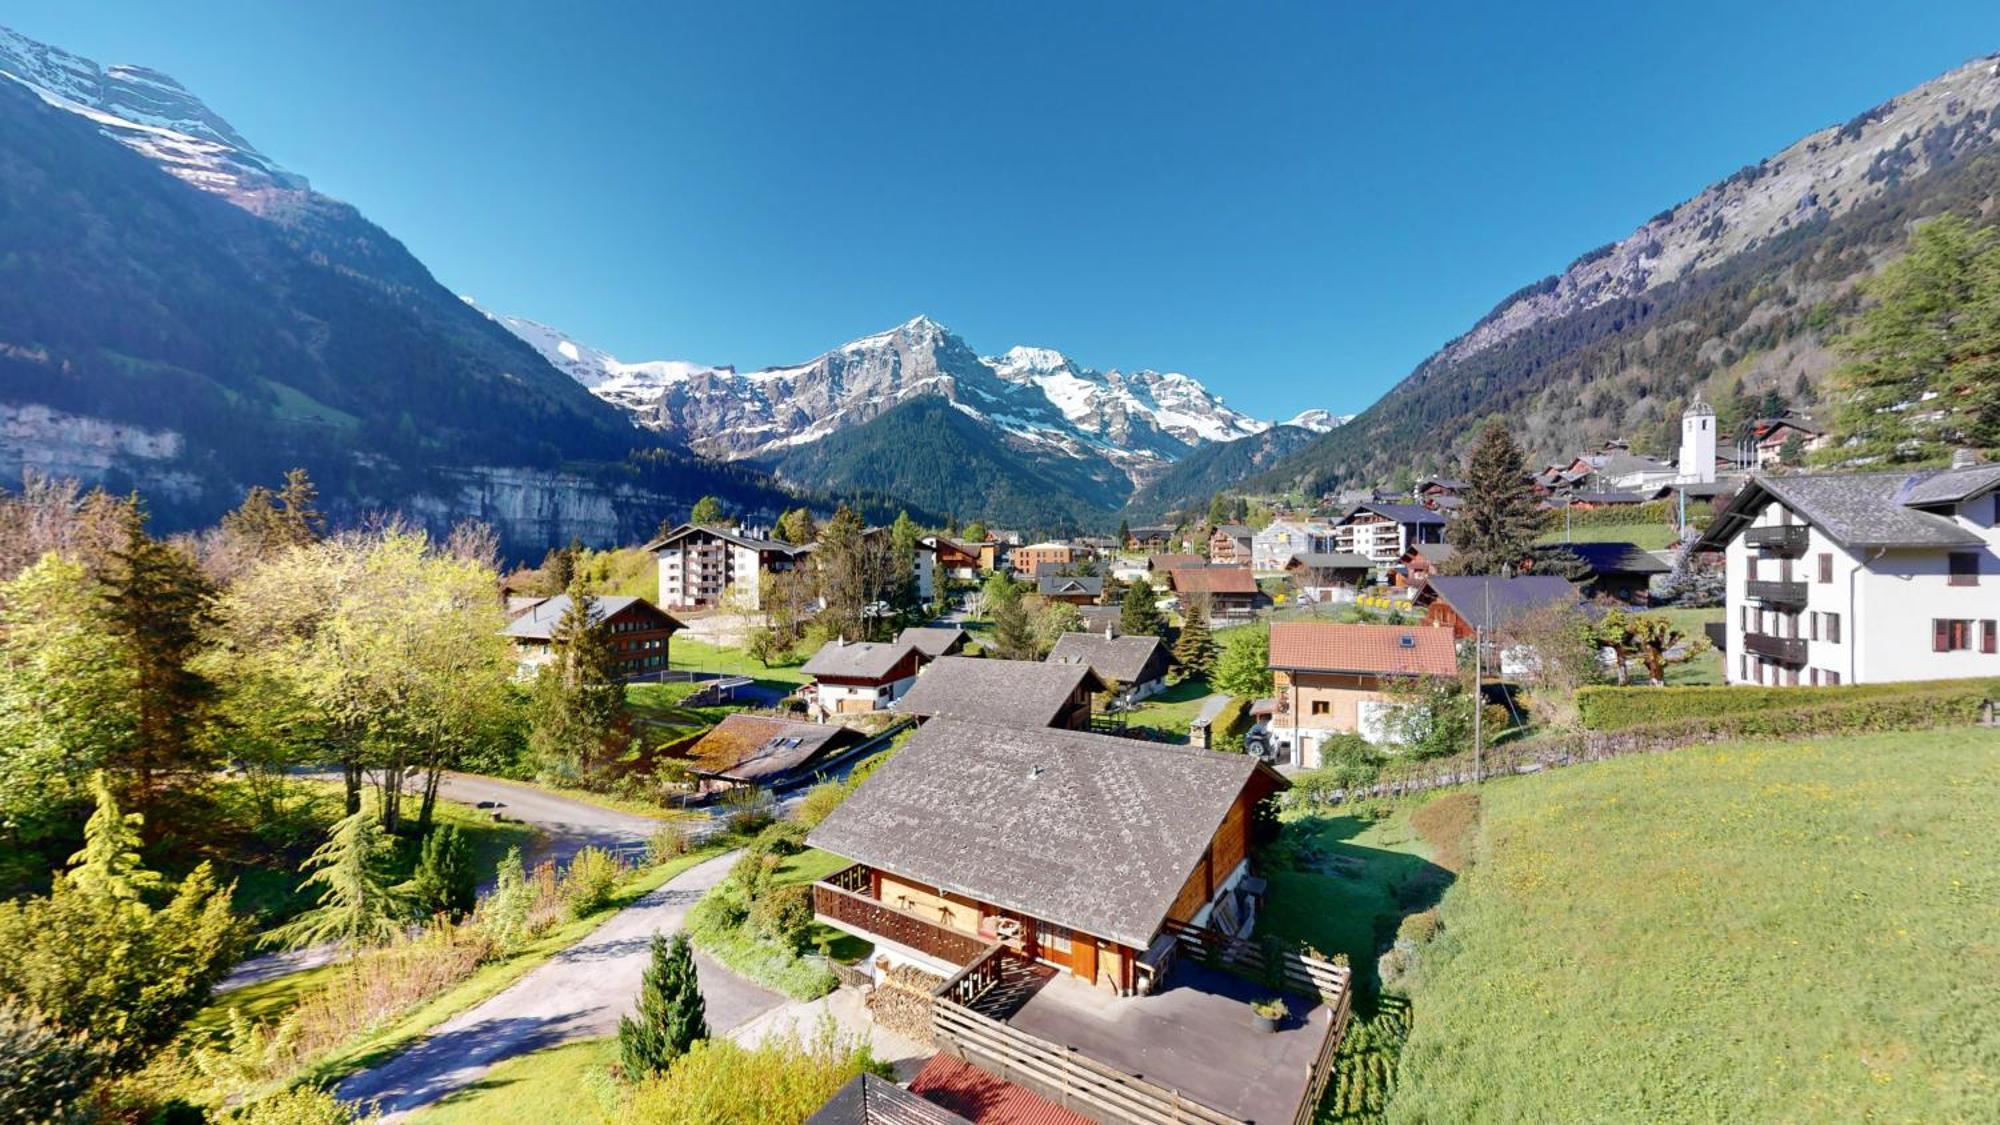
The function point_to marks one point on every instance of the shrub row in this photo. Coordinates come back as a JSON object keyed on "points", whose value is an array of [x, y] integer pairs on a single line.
{"points": [[1605, 708]]}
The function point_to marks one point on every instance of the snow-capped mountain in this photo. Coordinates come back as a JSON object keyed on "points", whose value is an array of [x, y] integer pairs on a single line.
{"points": [[154, 116], [1317, 420], [1140, 421]]}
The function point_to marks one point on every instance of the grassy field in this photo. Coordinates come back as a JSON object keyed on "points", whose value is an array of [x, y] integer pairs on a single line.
{"points": [[568, 1083], [1799, 931], [1334, 879], [1705, 668], [1647, 536], [1170, 712], [686, 654]]}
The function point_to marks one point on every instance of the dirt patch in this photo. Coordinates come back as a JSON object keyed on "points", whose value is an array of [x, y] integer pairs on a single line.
{"points": [[1448, 824]]}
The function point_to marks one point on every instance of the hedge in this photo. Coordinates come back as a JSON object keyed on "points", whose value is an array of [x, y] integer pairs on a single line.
{"points": [[1625, 708]]}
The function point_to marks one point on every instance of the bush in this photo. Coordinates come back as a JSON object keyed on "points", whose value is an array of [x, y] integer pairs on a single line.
{"points": [[752, 873], [781, 1079], [302, 1106], [819, 801], [591, 881], [48, 1072], [1447, 824], [780, 838], [749, 811], [667, 842], [1622, 708], [1348, 761], [1418, 928], [444, 882], [785, 915]]}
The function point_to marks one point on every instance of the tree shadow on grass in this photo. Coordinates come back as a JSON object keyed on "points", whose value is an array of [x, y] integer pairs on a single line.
{"points": [[1344, 897], [435, 1067]]}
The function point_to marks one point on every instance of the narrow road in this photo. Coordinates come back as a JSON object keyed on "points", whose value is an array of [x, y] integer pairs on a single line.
{"points": [[566, 827], [581, 992]]}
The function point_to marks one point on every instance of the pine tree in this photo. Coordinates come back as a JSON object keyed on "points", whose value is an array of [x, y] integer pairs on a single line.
{"points": [[672, 1015], [1499, 521], [109, 864], [1124, 533], [504, 914], [1195, 650], [579, 704], [157, 603], [1013, 631], [1139, 614], [357, 905], [444, 882], [1218, 509]]}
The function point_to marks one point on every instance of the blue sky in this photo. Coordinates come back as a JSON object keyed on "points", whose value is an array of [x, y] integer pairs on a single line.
{"points": [[1295, 204]]}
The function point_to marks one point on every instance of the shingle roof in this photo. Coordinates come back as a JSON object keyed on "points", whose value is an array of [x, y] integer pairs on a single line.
{"points": [[539, 623], [932, 641], [1089, 831], [1861, 509], [1235, 530], [1049, 585], [1625, 464], [1212, 580], [1473, 596], [1617, 558], [868, 1100], [763, 749], [728, 534], [1331, 560], [1018, 692], [1098, 618], [1172, 562], [1403, 650], [1128, 660], [1401, 513], [1608, 498], [861, 660], [1435, 552]]}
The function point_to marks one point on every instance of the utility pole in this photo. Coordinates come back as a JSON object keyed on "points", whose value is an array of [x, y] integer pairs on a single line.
{"points": [[1478, 677]]}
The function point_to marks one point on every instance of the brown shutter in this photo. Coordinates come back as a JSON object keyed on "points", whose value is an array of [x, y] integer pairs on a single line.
{"points": [[1940, 635]]}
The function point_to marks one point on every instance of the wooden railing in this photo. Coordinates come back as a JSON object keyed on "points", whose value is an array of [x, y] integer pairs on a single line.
{"points": [[1783, 539], [1776, 592], [1322, 1067], [1790, 650], [1060, 1074], [853, 878], [912, 931], [1309, 975], [971, 982]]}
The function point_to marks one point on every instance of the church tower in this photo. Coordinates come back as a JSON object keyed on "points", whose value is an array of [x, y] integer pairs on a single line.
{"points": [[1698, 443]]}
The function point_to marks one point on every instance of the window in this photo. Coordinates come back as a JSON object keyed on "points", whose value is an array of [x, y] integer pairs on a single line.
{"points": [[1055, 939], [1833, 679], [1746, 620], [1825, 567], [1813, 620], [1743, 666], [1964, 568], [1815, 677], [1750, 570], [1833, 627], [1989, 637], [1951, 634]]}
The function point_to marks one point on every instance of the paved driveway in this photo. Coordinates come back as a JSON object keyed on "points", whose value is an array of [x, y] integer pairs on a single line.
{"points": [[581, 992], [566, 827]]}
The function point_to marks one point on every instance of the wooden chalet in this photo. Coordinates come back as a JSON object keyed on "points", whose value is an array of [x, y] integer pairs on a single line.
{"points": [[851, 677], [1619, 570], [1420, 563], [1339, 679], [935, 640], [766, 751], [1150, 539], [1231, 592], [1076, 589], [1468, 602], [1230, 543], [639, 633], [1163, 564], [1025, 693], [1328, 576], [1138, 664]]}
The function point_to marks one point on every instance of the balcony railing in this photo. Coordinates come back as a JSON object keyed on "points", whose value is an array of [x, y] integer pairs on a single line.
{"points": [[837, 905], [1777, 593], [1787, 539], [1785, 650]]}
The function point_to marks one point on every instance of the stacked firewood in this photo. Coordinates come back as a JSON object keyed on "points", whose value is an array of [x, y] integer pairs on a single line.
{"points": [[901, 1001]]}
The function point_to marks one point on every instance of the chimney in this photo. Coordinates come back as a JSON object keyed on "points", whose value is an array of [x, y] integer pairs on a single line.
{"points": [[1964, 458], [1107, 630], [840, 641]]}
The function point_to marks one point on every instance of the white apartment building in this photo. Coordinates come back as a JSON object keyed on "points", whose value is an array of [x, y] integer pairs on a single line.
{"points": [[702, 567], [1273, 547], [1862, 578], [1381, 533]]}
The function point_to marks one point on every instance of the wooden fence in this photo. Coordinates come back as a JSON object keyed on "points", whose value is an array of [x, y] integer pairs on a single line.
{"points": [[1071, 1080], [1306, 974]]}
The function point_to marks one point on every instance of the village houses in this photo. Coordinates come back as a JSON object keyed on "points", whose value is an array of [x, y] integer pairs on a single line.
{"points": [[1341, 679]]}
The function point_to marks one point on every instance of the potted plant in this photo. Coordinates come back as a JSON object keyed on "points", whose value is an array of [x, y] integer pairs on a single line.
{"points": [[1265, 1014]]}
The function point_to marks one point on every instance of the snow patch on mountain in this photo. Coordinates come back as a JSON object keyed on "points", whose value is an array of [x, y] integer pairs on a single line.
{"points": [[1317, 420]]}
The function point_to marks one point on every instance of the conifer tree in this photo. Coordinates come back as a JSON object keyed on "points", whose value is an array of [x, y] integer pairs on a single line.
{"points": [[672, 1015], [109, 866], [358, 905], [1139, 614], [1499, 521], [443, 882], [1124, 533], [157, 603], [1195, 649], [579, 705]]}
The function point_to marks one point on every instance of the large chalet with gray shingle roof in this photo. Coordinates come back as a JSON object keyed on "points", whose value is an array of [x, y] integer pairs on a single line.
{"points": [[1138, 664], [1844, 578], [1022, 693]]}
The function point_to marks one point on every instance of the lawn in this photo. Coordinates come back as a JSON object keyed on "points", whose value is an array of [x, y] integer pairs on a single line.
{"points": [[1782, 931], [1335, 880], [568, 1083], [696, 656], [1646, 536], [1170, 712], [1703, 669]]}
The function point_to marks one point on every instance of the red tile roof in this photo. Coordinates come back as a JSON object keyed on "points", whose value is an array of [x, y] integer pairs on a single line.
{"points": [[983, 1099], [1406, 650], [1213, 580]]}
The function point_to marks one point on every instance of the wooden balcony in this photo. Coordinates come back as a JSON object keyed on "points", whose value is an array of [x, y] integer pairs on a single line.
{"points": [[1777, 593], [1784, 650], [836, 904], [1787, 540]]}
